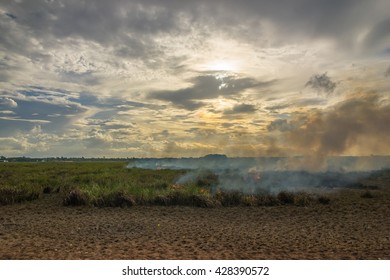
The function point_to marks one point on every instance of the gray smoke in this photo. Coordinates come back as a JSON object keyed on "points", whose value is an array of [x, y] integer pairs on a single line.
{"points": [[267, 174], [358, 125]]}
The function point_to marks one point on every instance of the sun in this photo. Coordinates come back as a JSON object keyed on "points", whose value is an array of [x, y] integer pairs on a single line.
{"points": [[222, 65]]}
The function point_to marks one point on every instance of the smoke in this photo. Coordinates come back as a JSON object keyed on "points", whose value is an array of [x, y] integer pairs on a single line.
{"points": [[356, 126], [334, 148], [266, 174]]}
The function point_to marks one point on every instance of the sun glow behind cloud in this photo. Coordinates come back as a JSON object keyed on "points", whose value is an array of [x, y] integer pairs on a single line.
{"points": [[222, 65]]}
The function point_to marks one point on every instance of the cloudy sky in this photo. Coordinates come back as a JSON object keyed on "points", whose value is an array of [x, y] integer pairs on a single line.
{"points": [[156, 78]]}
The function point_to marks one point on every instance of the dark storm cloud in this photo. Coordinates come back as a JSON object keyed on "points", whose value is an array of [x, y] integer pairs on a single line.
{"points": [[205, 87], [125, 25], [241, 109], [321, 82], [132, 23]]}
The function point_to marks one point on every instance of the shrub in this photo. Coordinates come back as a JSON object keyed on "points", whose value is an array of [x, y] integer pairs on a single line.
{"points": [[178, 198], [229, 198], [76, 198], [248, 200], [12, 194], [303, 199], [266, 200], [202, 201], [286, 197], [161, 200], [50, 189], [323, 199], [117, 199]]}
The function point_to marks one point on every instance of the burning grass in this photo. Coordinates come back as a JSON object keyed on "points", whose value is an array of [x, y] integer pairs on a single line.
{"points": [[112, 185]]}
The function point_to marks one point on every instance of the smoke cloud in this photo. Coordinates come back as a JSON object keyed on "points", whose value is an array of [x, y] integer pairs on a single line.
{"points": [[334, 147], [266, 174], [356, 126]]}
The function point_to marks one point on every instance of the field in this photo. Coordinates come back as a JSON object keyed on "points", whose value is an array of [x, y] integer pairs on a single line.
{"points": [[103, 184], [106, 211]]}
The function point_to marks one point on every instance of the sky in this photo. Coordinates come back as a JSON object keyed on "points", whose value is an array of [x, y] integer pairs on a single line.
{"points": [[159, 78]]}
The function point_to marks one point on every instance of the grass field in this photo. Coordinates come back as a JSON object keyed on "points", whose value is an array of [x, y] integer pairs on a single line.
{"points": [[82, 211], [111, 184]]}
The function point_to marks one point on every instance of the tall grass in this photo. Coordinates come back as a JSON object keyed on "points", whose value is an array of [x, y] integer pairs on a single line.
{"points": [[111, 184]]}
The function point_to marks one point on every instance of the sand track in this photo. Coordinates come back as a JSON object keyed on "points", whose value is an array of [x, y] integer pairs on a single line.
{"points": [[44, 229]]}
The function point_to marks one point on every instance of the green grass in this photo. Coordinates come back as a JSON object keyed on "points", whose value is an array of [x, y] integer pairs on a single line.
{"points": [[91, 183], [111, 184]]}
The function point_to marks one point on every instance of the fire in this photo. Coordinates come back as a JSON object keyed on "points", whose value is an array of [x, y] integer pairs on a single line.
{"points": [[177, 187], [253, 175]]}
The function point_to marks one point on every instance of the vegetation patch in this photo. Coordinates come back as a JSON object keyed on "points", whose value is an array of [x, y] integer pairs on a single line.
{"points": [[229, 198], [286, 197], [115, 199], [17, 194], [111, 184], [76, 197], [267, 200], [303, 199], [323, 199]]}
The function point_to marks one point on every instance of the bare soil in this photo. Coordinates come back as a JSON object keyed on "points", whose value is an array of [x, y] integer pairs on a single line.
{"points": [[352, 226]]}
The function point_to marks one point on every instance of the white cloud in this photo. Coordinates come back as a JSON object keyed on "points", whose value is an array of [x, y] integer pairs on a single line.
{"points": [[8, 102]]}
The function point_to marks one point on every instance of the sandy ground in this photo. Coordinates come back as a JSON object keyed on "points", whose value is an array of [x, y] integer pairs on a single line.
{"points": [[43, 229]]}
